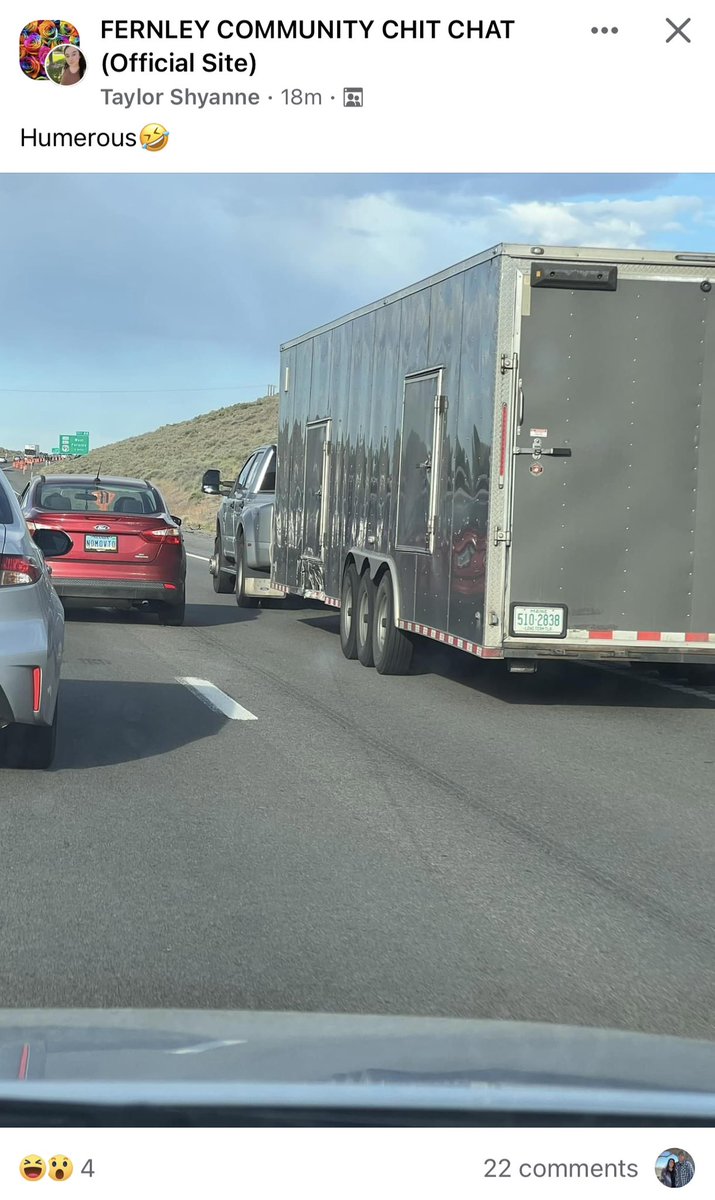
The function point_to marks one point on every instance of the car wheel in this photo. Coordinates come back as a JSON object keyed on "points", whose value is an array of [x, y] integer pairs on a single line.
{"points": [[31, 747], [391, 646], [223, 581], [363, 619], [348, 611], [242, 600], [173, 614]]}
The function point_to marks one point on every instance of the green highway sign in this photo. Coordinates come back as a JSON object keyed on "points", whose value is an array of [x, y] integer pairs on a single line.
{"points": [[74, 443], [55, 450]]}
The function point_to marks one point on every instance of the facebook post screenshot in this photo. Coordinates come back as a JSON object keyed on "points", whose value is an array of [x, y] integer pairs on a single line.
{"points": [[357, 600]]}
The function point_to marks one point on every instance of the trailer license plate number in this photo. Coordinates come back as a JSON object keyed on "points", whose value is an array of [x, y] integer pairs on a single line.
{"points": [[537, 620]]}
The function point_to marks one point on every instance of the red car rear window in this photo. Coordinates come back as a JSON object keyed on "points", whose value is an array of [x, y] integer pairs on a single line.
{"points": [[99, 498]]}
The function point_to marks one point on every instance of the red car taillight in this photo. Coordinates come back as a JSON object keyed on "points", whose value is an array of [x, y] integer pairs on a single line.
{"points": [[16, 569], [36, 688], [165, 535]]}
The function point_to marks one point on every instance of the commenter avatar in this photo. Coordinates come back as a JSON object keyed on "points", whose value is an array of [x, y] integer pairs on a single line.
{"points": [[65, 65]]}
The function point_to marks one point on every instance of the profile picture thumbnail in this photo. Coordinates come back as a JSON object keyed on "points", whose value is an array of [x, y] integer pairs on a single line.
{"points": [[65, 65], [674, 1168], [37, 39]]}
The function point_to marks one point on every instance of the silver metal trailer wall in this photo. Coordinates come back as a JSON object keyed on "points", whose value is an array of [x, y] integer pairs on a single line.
{"points": [[526, 442]]}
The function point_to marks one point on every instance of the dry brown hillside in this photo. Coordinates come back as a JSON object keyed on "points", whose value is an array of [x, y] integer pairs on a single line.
{"points": [[175, 457]]}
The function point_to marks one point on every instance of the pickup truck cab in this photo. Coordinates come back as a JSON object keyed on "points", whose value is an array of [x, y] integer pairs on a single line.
{"points": [[241, 560]]}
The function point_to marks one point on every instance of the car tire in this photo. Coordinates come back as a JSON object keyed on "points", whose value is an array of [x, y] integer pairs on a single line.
{"points": [[364, 610], [348, 611], [391, 646], [242, 600], [173, 614], [31, 747], [224, 582]]}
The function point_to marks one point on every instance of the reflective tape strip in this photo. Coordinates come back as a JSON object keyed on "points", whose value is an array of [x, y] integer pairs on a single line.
{"points": [[642, 635], [449, 639]]}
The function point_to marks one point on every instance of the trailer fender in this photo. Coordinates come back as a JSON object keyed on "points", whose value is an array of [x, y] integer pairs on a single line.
{"points": [[377, 564]]}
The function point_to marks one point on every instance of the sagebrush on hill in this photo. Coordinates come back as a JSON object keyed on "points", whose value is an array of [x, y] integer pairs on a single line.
{"points": [[175, 457]]}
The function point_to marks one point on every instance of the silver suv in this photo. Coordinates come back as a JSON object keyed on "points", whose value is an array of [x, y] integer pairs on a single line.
{"points": [[31, 637]]}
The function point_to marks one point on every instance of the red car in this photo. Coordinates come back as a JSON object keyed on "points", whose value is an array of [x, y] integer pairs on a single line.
{"points": [[127, 549]]}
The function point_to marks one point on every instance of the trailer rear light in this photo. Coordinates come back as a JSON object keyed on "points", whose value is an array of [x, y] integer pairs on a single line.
{"points": [[16, 569], [166, 535], [36, 688]]}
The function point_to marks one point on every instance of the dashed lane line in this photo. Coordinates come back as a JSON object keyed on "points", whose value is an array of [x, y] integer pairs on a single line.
{"points": [[216, 699]]}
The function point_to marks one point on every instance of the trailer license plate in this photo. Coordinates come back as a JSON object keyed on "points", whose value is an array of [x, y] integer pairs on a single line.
{"points": [[101, 542], [538, 620]]}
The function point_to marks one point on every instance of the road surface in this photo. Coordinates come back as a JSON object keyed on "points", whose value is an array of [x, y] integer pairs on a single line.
{"points": [[458, 842]]}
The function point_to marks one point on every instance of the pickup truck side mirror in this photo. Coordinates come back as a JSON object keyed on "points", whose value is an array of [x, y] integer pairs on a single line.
{"points": [[211, 483]]}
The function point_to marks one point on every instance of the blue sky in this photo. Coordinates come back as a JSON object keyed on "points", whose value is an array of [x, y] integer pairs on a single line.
{"points": [[131, 301]]}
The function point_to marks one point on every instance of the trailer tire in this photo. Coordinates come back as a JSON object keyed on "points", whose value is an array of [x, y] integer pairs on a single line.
{"points": [[223, 581], [348, 611], [364, 611], [391, 646], [242, 600]]}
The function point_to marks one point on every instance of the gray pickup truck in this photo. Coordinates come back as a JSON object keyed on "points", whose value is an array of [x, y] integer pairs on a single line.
{"points": [[241, 560]]}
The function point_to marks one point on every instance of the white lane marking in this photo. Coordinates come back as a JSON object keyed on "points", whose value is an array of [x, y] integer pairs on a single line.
{"points": [[199, 556], [662, 683], [216, 699]]}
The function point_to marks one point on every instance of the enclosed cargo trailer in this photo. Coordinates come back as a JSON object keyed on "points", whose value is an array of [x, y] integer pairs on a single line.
{"points": [[515, 456]]}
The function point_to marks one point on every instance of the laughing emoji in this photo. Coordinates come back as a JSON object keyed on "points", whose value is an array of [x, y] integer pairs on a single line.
{"points": [[32, 1167], [60, 1167], [154, 137]]}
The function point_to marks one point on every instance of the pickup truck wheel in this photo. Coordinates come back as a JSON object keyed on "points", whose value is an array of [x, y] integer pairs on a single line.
{"points": [[242, 600], [391, 646], [348, 612], [31, 747], [224, 581], [363, 619]]}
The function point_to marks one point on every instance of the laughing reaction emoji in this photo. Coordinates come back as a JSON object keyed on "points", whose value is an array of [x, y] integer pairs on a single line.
{"points": [[32, 1167], [154, 137], [60, 1167]]}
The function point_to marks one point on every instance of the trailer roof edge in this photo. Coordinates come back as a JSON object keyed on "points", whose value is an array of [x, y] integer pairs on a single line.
{"points": [[596, 254]]}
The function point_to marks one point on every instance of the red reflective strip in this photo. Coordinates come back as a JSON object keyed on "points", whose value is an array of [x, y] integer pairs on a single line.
{"points": [[24, 1062], [697, 637], [504, 427], [645, 636], [602, 635], [36, 688]]}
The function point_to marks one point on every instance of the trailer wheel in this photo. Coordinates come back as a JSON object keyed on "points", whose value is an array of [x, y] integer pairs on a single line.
{"points": [[391, 646], [223, 581], [364, 610], [348, 612], [242, 600]]}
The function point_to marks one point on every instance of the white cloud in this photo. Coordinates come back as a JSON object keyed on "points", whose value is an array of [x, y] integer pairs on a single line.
{"points": [[378, 241]]}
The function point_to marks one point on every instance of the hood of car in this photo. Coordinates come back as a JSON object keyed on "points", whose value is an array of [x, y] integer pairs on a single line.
{"points": [[185, 1046]]}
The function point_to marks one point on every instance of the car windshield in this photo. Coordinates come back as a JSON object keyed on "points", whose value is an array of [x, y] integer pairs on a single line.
{"points": [[97, 498]]}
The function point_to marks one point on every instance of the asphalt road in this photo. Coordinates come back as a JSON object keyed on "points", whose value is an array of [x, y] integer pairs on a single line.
{"points": [[458, 842]]}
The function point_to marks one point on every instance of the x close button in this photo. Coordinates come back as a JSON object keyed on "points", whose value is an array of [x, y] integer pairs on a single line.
{"points": [[678, 30]]}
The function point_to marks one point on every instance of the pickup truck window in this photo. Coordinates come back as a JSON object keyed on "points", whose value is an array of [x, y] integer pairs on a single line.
{"points": [[255, 472], [243, 474], [269, 479]]}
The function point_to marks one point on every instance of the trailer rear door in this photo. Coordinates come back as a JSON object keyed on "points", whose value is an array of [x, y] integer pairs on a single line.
{"points": [[618, 536]]}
